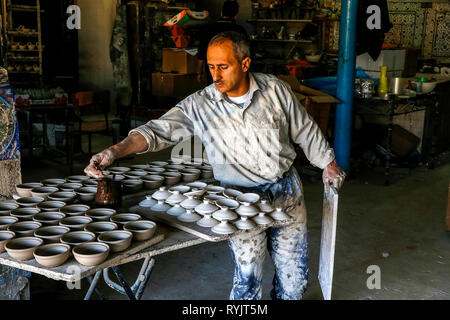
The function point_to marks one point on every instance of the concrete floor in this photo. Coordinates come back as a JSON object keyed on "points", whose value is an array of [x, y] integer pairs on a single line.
{"points": [[399, 228]]}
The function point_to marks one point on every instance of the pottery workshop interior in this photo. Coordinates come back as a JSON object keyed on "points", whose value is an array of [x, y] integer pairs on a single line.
{"points": [[224, 150]]}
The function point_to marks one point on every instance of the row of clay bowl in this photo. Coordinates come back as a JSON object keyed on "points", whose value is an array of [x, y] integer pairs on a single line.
{"points": [[157, 173], [50, 243], [214, 207]]}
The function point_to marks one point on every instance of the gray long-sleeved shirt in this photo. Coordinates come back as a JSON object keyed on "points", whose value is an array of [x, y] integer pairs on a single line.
{"points": [[247, 146]]}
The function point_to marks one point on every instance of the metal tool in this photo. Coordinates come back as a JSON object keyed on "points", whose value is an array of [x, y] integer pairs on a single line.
{"points": [[328, 240]]}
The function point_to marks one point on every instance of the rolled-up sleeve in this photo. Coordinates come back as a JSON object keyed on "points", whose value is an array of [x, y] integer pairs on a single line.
{"points": [[171, 128], [305, 132]]}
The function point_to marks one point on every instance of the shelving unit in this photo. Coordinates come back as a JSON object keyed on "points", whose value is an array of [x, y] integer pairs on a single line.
{"points": [[23, 36]]}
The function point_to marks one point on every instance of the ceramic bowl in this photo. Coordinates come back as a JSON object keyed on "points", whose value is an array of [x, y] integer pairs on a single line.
{"points": [[174, 167], [132, 185], [161, 194], [24, 228], [51, 205], [90, 183], [118, 240], [51, 234], [157, 164], [207, 174], [6, 221], [116, 177], [119, 170], [197, 185], [155, 170], [91, 253], [171, 178], [49, 218], [43, 192], [148, 202], [152, 181], [77, 178], [135, 174], [25, 214], [22, 248], [75, 238], [179, 189], [214, 189], [122, 218], [53, 182], [190, 175], [99, 227], [214, 196], [139, 167], [5, 236], [52, 255], [76, 222], [69, 186], [74, 209], [248, 198], [7, 207], [29, 201], [24, 189], [313, 58], [232, 193], [67, 197], [100, 214], [141, 229], [86, 194]]}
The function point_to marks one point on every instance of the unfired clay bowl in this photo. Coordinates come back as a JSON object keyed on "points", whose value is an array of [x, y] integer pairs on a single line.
{"points": [[157, 164], [86, 194], [49, 218], [171, 178], [69, 186], [118, 240], [174, 167], [51, 234], [24, 189], [100, 214], [43, 192], [67, 197], [122, 218], [75, 238], [53, 182], [141, 229], [25, 228], [90, 183], [152, 181], [132, 185], [91, 253], [77, 178], [51, 205], [29, 201], [22, 248], [190, 175], [6, 221], [155, 170], [52, 255], [74, 209], [76, 222], [100, 226], [119, 170], [139, 167], [7, 207], [25, 214], [5, 236], [135, 174]]}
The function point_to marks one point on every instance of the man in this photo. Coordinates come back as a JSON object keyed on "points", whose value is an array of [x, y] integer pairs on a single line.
{"points": [[247, 123], [227, 22]]}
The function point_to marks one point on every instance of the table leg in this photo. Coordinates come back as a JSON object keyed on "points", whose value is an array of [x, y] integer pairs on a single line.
{"points": [[392, 106], [145, 280], [124, 284], [93, 285]]}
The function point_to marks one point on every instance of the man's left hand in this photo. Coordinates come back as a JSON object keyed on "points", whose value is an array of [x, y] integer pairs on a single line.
{"points": [[333, 175]]}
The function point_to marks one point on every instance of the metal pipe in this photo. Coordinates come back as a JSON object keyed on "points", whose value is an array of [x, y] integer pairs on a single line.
{"points": [[93, 285], [145, 280], [345, 82]]}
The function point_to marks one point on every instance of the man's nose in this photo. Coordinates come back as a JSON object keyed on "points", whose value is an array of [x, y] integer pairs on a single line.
{"points": [[216, 74]]}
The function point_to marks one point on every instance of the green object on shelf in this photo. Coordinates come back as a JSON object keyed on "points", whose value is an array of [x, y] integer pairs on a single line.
{"points": [[422, 79]]}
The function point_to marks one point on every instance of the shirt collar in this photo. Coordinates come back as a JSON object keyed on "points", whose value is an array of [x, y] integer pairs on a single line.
{"points": [[254, 86]]}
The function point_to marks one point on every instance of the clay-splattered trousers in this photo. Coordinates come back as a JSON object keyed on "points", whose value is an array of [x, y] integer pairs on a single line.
{"points": [[287, 246]]}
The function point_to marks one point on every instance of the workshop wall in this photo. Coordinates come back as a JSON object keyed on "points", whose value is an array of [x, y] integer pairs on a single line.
{"points": [[94, 37], [417, 24]]}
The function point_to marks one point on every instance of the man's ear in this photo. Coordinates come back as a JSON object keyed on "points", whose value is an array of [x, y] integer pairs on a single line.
{"points": [[246, 64]]}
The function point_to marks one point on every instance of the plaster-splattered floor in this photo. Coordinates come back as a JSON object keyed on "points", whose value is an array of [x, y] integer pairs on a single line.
{"points": [[405, 221]]}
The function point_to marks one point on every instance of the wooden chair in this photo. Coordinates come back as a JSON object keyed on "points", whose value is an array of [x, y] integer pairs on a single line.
{"points": [[92, 110]]}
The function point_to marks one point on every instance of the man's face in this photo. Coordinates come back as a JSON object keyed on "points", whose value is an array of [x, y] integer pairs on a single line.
{"points": [[228, 74]]}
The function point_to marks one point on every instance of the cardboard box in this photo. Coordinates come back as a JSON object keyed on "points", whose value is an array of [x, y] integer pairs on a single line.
{"points": [[178, 61], [174, 84], [317, 103]]}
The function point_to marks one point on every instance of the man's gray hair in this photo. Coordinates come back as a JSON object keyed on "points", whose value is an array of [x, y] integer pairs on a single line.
{"points": [[241, 47]]}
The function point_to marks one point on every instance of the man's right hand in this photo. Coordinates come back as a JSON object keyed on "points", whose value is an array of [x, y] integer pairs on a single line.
{"points": [[99, 162]]}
